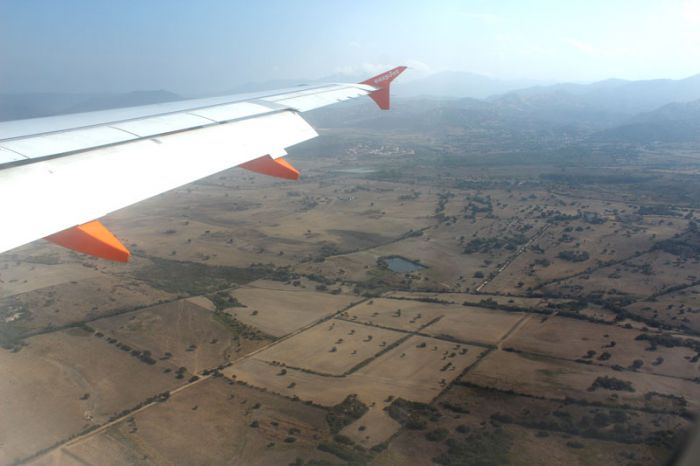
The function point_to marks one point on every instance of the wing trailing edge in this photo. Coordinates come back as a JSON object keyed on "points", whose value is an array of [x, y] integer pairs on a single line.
{"points": [[69, 155]]}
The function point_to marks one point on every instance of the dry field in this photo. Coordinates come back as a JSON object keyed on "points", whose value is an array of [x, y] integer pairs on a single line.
{"points": [[209, 423], [462, 323], [64, 382], [520, 447], [679, 308], [610, 241], [611, 345], [410, 371], [183, 333], [418, 370], [439, 248], [81, 298], [373, 386], [351, 267], [558, 379], [520, 428], [235, 218], [279, 311], [397, 314], [49, 266], [332, 347], [483, 339], [520, 302], [641, 277], [475, 325]]}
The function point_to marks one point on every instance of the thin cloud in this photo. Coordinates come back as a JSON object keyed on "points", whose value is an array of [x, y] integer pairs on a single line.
{"points": [[417, 65], [582, 46], [691, 11], [485, 18], [364, 68], [595, 51], [376, 68]]}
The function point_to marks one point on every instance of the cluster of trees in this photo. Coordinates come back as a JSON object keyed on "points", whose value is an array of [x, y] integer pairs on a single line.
{"points": [[483, 206], [657, 210], [685, 246], [457, 408], [346, 451], [586, 178], [223, 300], [611, 424], [484, 245], [193, 278], [574, 256], [437, 435], [159, 398], [554, 216], [410, 197], [143, 356], [442, 202], [484, 447], [659, 339], [411, 414], [240, 329], [345, 413], [611, 383]]}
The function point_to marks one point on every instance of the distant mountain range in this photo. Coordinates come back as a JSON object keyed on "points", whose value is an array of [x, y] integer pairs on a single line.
{"points": [[672, 123], [456, 84], [33, 105], [614, 96], [446, 84], [611, 110], [614, 110]]}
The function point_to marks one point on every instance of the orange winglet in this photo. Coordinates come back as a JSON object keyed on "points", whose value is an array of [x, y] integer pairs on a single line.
{"points": [[382, 82], [94, 239], [278, 167]]}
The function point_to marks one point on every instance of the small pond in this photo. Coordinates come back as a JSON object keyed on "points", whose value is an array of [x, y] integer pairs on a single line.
{"points": [[399, 264]]}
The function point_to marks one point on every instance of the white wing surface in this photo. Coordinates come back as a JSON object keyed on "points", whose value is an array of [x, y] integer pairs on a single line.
{"points": [[59, 174]]}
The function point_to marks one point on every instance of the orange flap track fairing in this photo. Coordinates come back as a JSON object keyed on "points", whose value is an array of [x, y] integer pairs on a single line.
{"points": [[94, 239], [278, 167]]}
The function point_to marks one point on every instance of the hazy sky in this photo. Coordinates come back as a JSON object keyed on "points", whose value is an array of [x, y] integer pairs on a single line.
{"points": [[206, 46]]}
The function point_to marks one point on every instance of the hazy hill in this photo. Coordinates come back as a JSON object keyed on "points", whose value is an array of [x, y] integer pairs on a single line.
{"points": [[33, 105], [569, 108], [671, 112], [130, 99], [560, 107], [480, 121], [446, 84], [457, 84], [267, 85], [612, 110], [613, 96], [407, 114], [676, 122], [19, 106]]}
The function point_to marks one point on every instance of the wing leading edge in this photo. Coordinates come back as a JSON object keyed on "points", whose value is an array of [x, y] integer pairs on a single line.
{"points": [[59, 174]]}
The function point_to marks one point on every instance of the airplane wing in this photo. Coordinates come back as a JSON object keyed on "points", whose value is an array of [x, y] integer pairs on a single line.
{"points": [[59, 174]]}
